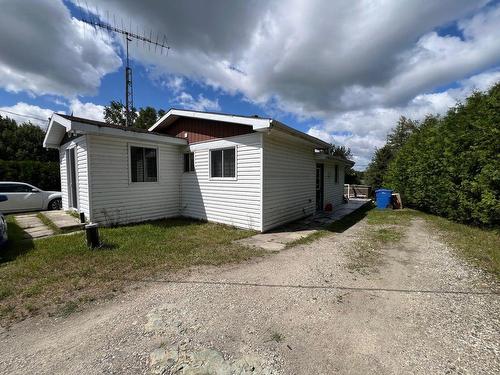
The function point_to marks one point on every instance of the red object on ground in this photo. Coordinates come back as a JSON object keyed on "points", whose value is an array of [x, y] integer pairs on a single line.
{"points": [[328, 207]]}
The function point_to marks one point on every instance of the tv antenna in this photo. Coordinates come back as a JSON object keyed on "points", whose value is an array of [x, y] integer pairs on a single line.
{"points": [[129, 36]]}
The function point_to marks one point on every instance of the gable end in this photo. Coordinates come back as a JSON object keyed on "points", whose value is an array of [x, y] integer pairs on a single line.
{"points": [[200, 130]]}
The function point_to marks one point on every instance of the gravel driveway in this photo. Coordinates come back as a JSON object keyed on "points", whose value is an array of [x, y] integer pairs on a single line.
{"points": [[305, 310]]}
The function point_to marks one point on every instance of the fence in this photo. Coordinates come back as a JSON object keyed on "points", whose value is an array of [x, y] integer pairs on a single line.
{"points": [[357, 191]]}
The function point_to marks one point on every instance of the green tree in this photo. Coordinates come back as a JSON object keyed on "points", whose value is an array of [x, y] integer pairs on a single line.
{"points": [[23, 158], [146, 118], [382, 157], [114, 113], [378, 166], [23, 142], [450, 166]]}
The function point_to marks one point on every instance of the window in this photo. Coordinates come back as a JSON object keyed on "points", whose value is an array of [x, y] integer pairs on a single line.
{"points": [[15, 188], [143, 164], [336, 173], [223, 162], [189, 162]]}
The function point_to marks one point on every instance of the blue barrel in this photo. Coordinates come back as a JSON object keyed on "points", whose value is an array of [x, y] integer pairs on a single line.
{"points": [[383, 197]]}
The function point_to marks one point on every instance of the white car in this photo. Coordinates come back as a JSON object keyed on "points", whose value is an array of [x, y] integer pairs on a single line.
{"points": [[3, 225], [26, 197]]}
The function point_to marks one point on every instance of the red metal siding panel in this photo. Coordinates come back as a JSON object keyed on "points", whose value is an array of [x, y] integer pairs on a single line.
{"points": [[199, 130]]}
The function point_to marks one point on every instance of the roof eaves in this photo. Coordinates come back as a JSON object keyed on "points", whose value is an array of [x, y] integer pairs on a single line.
{"points": [[316, 141], [257, 123]]}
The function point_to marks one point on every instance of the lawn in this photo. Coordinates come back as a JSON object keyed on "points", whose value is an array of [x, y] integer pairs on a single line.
{"points": [[60, 274]]}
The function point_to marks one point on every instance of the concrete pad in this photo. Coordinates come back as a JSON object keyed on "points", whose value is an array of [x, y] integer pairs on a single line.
{"points": [[63, 220], [277, 239], [274, 241]]}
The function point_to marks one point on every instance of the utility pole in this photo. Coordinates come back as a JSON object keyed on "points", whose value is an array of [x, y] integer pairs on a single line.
{"points": [[129, 94]]}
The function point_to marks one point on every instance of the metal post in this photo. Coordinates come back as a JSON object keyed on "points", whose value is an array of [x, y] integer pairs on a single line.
{"points": [[92, 232]]}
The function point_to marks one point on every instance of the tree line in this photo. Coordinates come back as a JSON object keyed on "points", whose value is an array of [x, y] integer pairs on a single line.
{"points": [[144, 118], [447, 165], [23, 158]]}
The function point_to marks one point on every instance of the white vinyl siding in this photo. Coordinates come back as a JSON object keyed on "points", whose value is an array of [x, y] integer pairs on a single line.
{"points": [[117, 200], [334, 192], [64, 177], [289, 180], [81, 152], [233, 201]]}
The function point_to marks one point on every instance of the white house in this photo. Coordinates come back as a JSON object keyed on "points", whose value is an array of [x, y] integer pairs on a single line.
{"points": [[249, 172]]}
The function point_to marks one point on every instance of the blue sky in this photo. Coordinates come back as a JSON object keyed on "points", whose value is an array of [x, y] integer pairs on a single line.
{"points": [[339, 70]]}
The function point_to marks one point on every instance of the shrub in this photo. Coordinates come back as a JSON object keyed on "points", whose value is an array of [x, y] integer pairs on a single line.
{"points": [[45, 175], [450, 166]]}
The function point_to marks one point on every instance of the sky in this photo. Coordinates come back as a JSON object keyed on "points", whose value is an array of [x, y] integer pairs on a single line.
{"points": [[343, 71]]}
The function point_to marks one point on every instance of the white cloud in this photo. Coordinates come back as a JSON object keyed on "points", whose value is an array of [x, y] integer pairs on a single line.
{"points": [[200, 103], [32, 113], [364, 130], [86, 110], [175, 84], [39, 116], [354, 67], [46, 51]]}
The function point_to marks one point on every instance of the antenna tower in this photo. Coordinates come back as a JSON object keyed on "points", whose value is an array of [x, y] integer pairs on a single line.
{"points": [[96, 23]]}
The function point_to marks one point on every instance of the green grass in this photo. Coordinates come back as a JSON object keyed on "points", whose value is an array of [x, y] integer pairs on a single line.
{"points": [[60, 273], [277, 337], [392, 217], [477, 245], [382, 230]]}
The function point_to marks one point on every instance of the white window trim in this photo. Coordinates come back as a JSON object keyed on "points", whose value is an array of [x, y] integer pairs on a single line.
{"points": [[129, 166], [235, 178], [194, 162]]}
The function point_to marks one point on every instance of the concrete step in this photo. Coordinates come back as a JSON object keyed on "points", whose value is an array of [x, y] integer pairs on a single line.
{"points": [[63, 220]]}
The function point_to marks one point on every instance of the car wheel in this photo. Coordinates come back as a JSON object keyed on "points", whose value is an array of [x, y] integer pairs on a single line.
{"points": [[55, 204]]}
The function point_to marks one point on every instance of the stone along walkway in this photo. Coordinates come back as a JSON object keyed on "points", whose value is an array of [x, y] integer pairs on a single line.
{"points": [[32, 226]]}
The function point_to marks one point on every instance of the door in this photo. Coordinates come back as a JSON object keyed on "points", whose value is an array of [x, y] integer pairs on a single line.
{"points": [[20, 197], [319, 186], [72, 179]]}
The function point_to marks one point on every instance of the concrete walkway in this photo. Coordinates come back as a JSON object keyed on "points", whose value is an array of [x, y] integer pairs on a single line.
{"points": [[277, 239], [32, 226]]}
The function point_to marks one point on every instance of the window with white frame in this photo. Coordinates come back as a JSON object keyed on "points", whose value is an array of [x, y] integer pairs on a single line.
{"points": [[223, 163], [143, 164], [336, 173], [189, 162]]}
